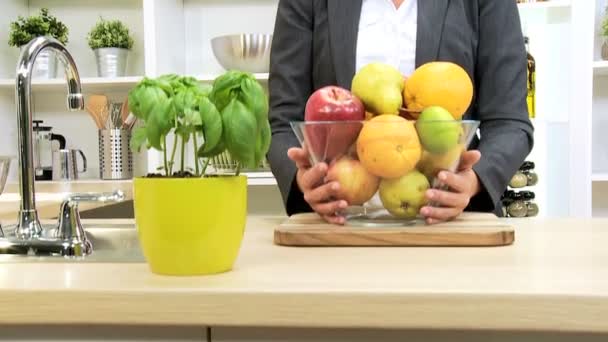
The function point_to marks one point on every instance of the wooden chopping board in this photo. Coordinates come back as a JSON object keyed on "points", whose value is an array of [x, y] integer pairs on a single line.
{"points": [[471, 229]]}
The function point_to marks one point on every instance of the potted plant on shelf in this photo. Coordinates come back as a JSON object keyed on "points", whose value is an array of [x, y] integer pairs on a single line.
{"points": [[604, 34], [190, 221], [24, 30], [111, 42]]}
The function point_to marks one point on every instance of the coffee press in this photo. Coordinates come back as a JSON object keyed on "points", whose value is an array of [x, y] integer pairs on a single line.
{"points": [[43, 150]]}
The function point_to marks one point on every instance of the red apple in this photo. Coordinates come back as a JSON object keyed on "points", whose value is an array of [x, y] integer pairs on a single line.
{"points": [[329, 136], [333, 103], [357, 185]]}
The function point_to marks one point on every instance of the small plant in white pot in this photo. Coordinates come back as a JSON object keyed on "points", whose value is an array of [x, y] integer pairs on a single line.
{"points": [[25, 29], [111, 42], [604, 34]]}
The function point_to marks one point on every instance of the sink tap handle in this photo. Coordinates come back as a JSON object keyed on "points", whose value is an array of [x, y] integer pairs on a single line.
{"points": [[116, 196], [69, 228]]}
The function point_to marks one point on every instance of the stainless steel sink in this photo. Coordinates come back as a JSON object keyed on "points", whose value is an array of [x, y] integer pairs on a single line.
{"points": [[112, 243]]}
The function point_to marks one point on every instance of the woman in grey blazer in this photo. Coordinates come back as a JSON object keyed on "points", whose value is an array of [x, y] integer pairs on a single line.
{"points": [[315, 44]]}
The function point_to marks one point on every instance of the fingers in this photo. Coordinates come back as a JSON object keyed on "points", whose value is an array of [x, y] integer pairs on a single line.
{"points": [[312, 177], [469, 159], [333, 219], [300, 157], [455, 181], [448, 199], [434, 215], [329, 208], [322, 193]]}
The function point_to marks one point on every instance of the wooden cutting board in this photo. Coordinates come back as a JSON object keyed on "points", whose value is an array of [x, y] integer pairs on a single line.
{"points": [[471, 229]]}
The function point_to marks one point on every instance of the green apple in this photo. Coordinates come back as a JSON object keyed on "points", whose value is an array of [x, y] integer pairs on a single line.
{"points": [[403, 197], [437, 130], [379, 86]]}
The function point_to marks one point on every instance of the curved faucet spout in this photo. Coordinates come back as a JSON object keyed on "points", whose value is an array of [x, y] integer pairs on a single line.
{"points": [[29, 225]]}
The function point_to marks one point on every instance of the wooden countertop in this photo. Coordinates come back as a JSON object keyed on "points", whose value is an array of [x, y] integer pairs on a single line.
{"points": [[555, 277]]}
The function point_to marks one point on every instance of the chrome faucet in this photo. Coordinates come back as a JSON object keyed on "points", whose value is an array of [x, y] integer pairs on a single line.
{"points": [[29, 225], [67, 238]]}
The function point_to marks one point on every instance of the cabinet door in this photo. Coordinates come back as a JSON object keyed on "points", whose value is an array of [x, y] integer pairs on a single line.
{"points": [[102, 333], [352, 335]]}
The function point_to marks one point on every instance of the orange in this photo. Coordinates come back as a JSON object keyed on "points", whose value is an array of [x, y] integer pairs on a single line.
{"points": [[443, 84], [388, 146]]}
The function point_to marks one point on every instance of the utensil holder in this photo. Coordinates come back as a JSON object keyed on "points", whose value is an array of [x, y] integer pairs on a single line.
{"points": [[115, 157]]}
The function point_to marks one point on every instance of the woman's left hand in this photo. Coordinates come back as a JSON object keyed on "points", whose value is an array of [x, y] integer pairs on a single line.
{"points": [[463, 185]]}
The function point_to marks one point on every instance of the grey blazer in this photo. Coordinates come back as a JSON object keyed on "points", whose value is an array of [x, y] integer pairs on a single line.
{"points": [[314, 45]]}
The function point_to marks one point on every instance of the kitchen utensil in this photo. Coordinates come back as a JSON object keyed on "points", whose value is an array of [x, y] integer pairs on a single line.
{"points": [[43, 150], [130, 122], [115, 118], [471, 229], [5, 164], [115, 157], [246, 52], [98, 107], [124, 111], [65, 164]]}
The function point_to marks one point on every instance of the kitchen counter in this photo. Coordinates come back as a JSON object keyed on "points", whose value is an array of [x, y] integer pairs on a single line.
{"points": [[554, 278]]}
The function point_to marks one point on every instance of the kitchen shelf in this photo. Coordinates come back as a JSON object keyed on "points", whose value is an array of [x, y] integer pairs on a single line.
{"points": [[260, 178], [89, 84], [599, 177], [100, 84], [545, 4], [600, 68]]}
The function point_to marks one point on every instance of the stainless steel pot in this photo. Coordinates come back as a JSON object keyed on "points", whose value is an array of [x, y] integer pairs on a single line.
{"points": [[45, 66], [111, 62]]}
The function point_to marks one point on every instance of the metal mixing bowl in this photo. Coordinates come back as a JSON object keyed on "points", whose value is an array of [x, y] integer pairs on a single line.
{"points": [[245, 52]]}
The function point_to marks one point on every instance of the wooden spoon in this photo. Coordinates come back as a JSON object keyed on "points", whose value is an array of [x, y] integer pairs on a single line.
{"points": [[124, 111], [98, 104]]}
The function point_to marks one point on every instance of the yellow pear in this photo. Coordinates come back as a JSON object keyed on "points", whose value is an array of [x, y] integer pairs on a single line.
{"points": [[380, 87]]}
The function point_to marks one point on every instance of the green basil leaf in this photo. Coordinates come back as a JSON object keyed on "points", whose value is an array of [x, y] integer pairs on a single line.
{"points": [[223, 87], [138, 139], [150, 99], [263, 143], [219, 148], [253, 96], [135, 101], [212, 124], [159, 124], [240, 132]]}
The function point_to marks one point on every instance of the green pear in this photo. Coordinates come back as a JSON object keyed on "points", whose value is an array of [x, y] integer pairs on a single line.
{"points": [[437, 130], [403, 197], [380, 87]]}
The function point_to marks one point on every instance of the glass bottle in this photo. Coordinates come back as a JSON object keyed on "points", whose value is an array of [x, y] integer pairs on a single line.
{"points": [[531, 75]]}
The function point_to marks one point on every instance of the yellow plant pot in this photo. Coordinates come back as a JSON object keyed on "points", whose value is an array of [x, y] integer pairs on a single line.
{"points": [[190, 226]]}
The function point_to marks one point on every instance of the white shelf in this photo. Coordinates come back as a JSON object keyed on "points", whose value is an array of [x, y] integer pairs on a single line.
{"points": [[545, 4], [99, 84], [260, 178], [210, 77], [600, 68], [89, 84], [599, 177]]}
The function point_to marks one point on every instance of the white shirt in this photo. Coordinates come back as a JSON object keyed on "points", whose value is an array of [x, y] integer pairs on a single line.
{"points": [[388, 35]]}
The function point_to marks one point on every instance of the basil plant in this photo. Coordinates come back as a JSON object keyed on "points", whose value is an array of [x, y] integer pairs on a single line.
{"points": [[231, 115]]}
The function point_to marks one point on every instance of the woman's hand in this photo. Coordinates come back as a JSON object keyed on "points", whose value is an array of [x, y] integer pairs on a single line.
{"points": [[320, 196], [463, 185]]}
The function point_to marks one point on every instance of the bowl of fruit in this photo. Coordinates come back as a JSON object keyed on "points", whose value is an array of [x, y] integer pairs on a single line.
{"points": [[386, 139]]}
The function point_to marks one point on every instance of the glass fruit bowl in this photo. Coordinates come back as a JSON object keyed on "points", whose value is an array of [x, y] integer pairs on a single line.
{"points": [[385, 165]]}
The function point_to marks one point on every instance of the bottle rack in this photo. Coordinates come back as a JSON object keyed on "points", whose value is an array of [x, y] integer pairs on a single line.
{"points": [[519, 200]]}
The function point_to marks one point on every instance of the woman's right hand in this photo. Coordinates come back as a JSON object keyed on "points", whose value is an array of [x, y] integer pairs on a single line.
{"points": [[319, 195]]}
